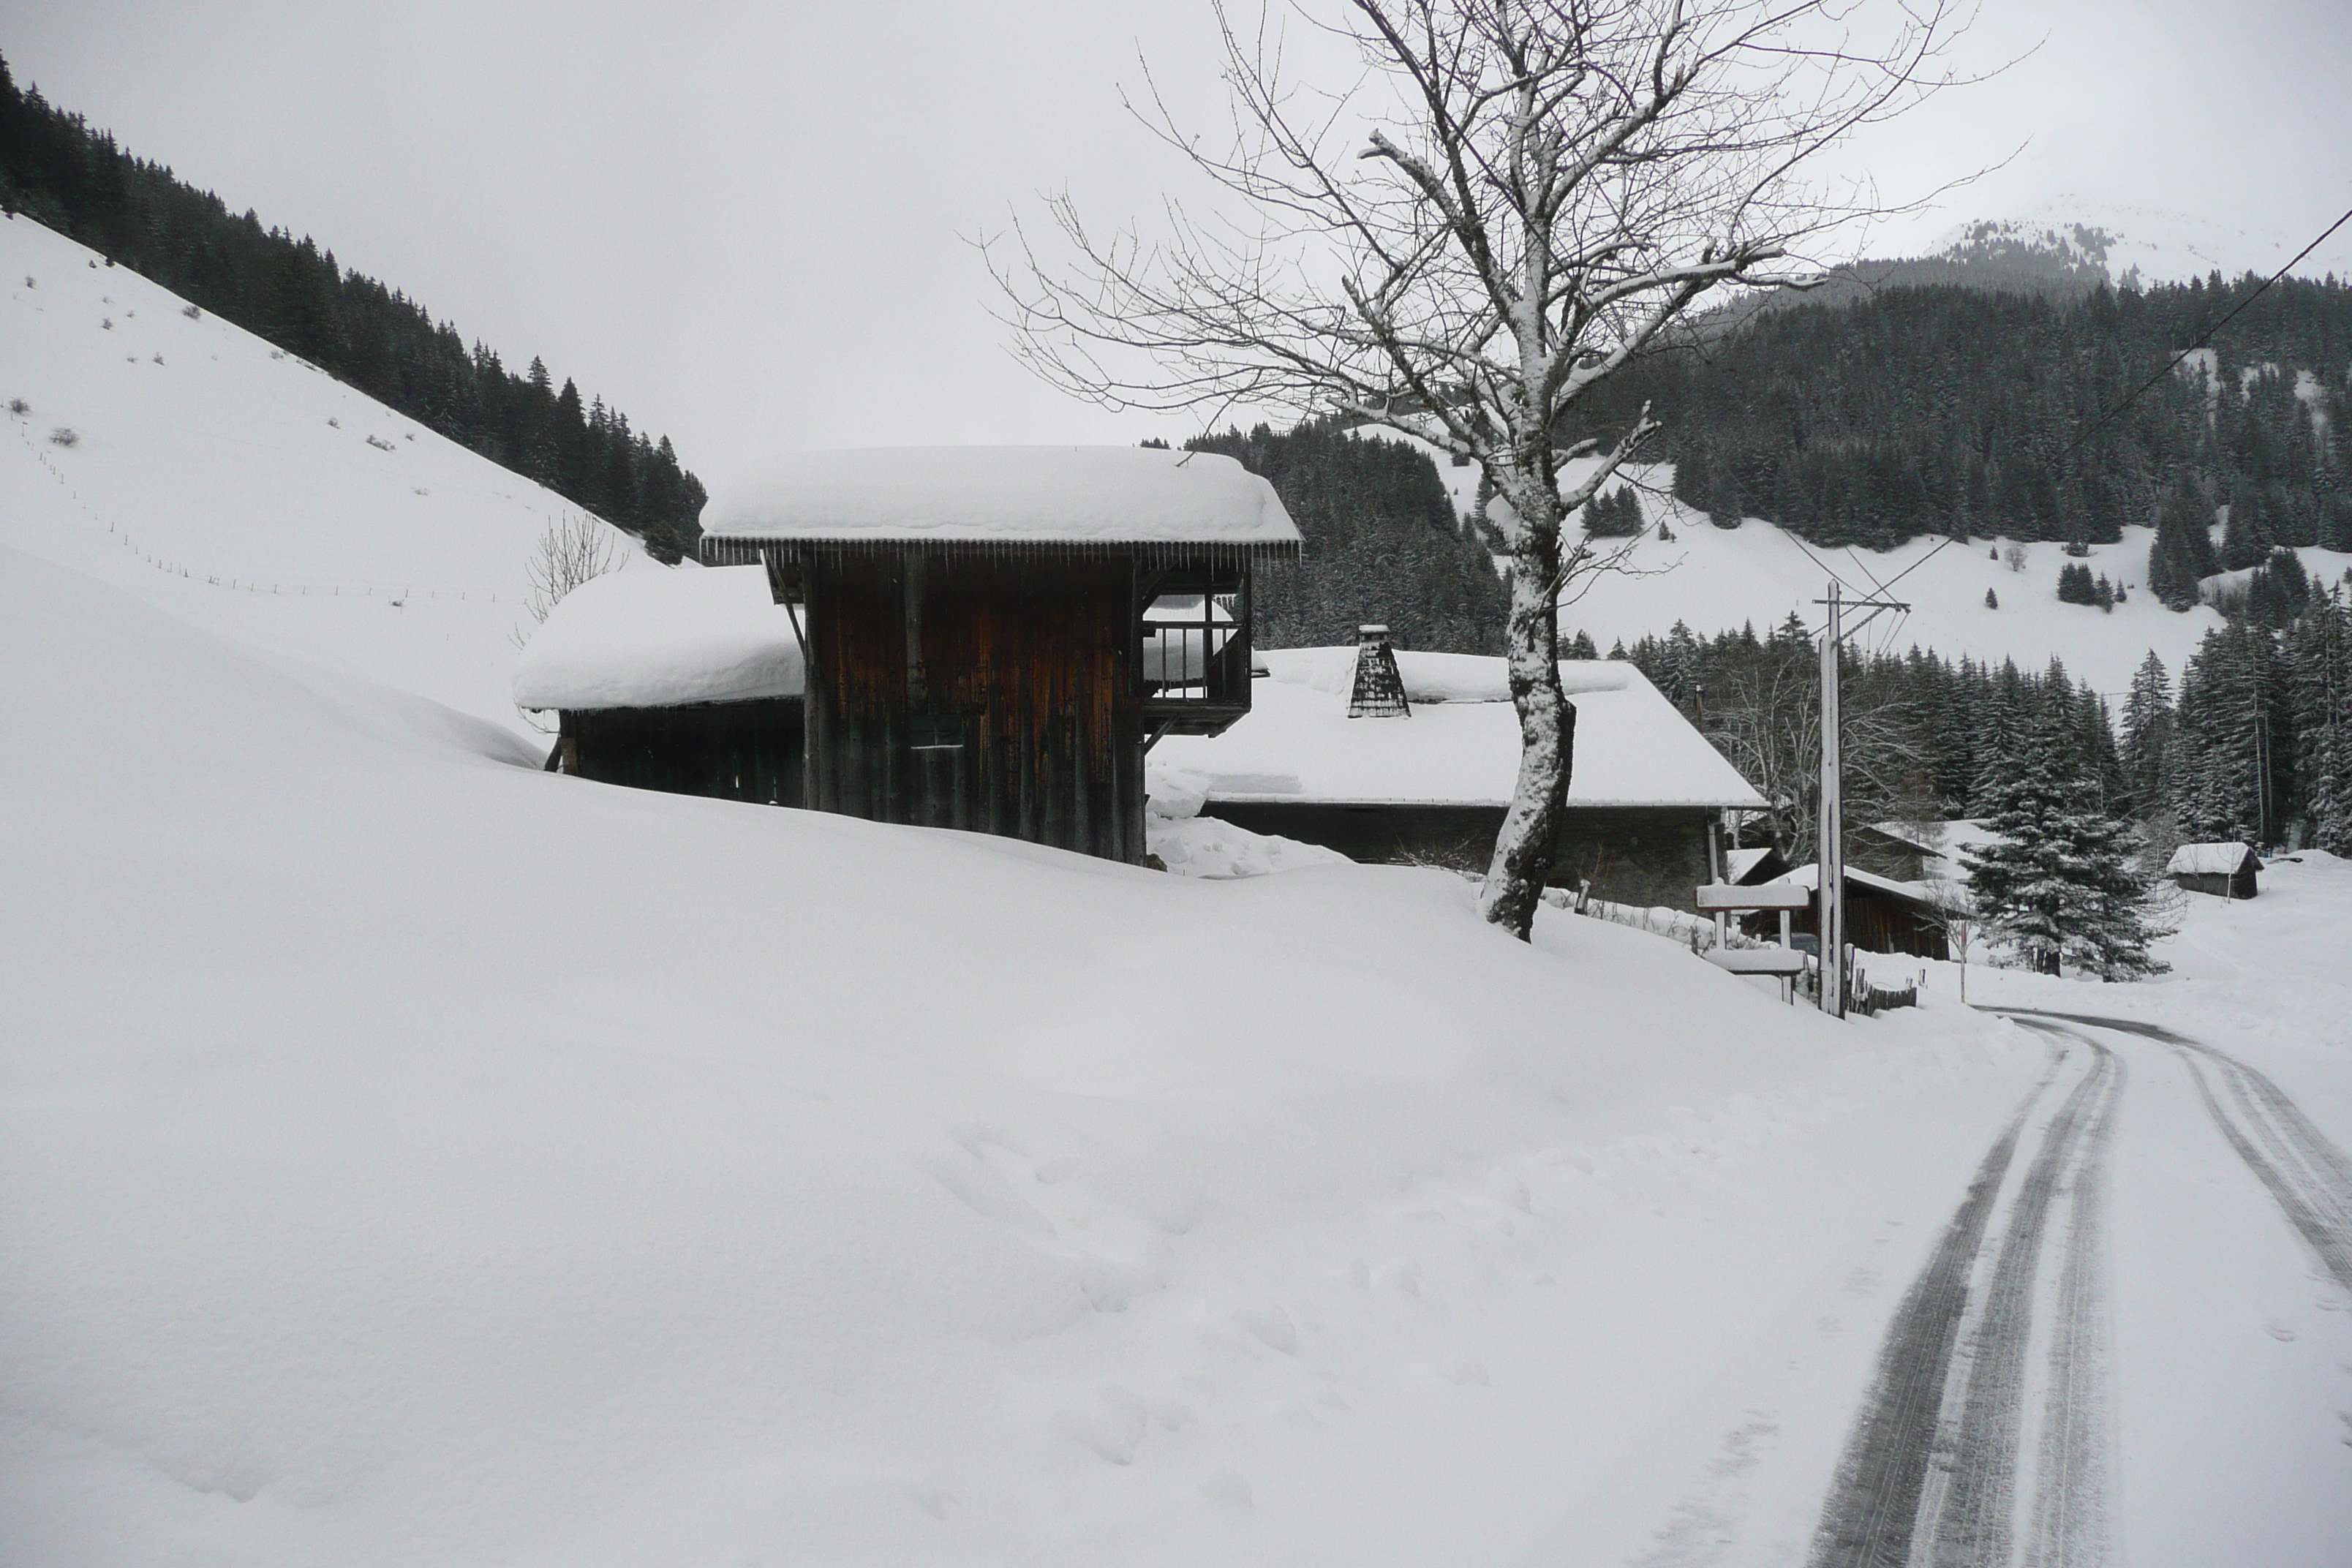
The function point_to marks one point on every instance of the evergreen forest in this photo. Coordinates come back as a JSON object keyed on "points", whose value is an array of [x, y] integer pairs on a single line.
{"points": [[2251, 740], [1383, 544], [55, 168], [1957, 411]]}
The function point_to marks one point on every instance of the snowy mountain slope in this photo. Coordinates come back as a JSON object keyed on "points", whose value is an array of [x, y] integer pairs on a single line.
{"points": [[2159, 246], [1717, 579], [248, 494], [408, 1158]]}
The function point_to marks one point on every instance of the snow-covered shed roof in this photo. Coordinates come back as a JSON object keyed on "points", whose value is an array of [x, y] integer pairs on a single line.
{"points": [[1808, 875], [1460, 747], [651, 637], [1738, 863], [1942, 842], [1004, 495], [2207, 860]]}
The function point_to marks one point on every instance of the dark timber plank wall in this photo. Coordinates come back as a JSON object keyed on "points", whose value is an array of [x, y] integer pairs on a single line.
{"points": [[1643, 856], [733, 750], [1029, 658]]}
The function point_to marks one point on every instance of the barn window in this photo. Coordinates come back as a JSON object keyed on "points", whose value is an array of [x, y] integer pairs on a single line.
{"points": [[1192, 648], [935, 731]]}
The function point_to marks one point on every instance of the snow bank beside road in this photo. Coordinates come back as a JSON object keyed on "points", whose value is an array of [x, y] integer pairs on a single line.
{"points": [[407, 1157]]}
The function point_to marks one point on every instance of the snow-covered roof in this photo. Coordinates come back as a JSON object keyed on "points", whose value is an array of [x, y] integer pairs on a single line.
{"points": [[1008, 495], [1808, 875], [2207, 860], [651, 637], [1943, 842], [1738, 863], [1460, 747]]}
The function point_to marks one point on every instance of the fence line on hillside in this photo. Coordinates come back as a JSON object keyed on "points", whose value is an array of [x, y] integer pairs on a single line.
{"points": [[345, 587]]}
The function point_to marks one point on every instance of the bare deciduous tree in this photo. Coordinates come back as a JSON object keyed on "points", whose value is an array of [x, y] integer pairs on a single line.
{"points": [[571, 550], [1765, 716], [1515, 199]]}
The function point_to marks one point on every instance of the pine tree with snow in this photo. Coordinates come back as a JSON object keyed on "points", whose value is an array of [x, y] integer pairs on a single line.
{"points": [[2247, 537], [2182, 552], [2147, 751], [2233, 741], [2319, 661], [2059, 885]]}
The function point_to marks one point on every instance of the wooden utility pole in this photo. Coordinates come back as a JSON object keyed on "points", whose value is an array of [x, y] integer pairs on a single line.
{"points": [[1830, 858], [1829, 862]]}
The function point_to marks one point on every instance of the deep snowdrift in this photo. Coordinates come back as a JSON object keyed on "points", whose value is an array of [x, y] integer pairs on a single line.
{"points": [[412, 1157]]}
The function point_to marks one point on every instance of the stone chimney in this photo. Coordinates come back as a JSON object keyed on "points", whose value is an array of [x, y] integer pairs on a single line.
{"points": [[1378, 690]]}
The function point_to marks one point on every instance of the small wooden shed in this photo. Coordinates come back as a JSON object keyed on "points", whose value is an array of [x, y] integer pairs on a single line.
{"points": [[1882, 915], [2224, 870], [995, 636], [671, 679]]}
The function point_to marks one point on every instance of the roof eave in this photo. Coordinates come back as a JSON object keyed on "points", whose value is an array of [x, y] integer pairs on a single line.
{"points": [[749, 550]]}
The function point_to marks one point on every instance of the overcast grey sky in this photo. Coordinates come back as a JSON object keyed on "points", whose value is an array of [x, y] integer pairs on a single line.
{"points": [[744, 224]]}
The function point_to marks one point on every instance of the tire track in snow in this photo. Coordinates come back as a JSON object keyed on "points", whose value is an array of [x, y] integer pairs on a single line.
{"points": [[2306, 1174], [1932, 1470], [1970, 1522], [1873, 1509]]}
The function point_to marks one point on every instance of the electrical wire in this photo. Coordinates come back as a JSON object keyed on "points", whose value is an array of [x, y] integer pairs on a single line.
{"points": [[2205, 340]]}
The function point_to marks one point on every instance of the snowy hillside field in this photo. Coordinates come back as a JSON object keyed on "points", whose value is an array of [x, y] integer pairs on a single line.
{"points": [[1715, 578], [408, 1156], [186, 460]]}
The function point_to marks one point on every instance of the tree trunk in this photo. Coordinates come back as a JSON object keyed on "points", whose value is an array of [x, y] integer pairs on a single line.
{"points": [[1525, 848]]}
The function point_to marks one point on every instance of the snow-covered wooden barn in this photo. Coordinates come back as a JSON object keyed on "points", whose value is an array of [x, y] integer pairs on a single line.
{"points": [[993, 635], [2224, 870], [1644, 790], [681, 679]]}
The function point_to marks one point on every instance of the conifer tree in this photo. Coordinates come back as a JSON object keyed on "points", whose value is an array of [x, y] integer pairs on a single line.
{"points": [[2182, 552], [2246, 538], [2320, 661], [2147, 751], [2059, 885]]}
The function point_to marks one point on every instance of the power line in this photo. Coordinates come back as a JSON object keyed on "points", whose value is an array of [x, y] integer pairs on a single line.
{"points": [[2203, 341], [1817, 561]]}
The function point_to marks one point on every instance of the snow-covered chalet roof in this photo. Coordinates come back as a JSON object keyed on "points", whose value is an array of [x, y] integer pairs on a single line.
{"points": [[1004, 495], [1461, 747], [2207, 860], [1738, 863], [651, 637]]}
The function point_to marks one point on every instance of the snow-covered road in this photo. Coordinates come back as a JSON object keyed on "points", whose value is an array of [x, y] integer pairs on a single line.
{"points": [[2033, 1396]]}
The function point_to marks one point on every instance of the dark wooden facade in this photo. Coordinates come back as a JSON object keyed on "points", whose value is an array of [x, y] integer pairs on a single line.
{"points": [[1007, 689], [997, 695], [1769, 867], [732, 751], [1641, 855], [1877, 920]]}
